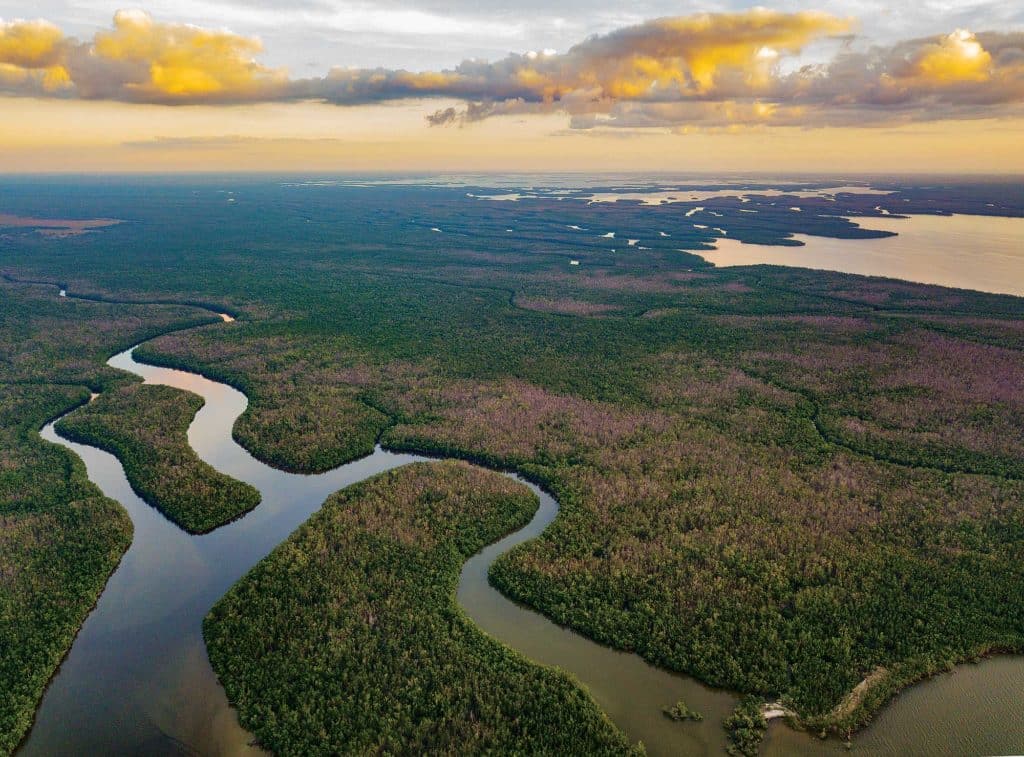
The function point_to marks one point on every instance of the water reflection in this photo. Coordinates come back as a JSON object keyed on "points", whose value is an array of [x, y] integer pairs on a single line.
{"points": [[970, 252]]}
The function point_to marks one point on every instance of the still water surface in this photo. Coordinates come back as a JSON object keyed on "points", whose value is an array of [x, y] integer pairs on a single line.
{"points": [[138, 681], [969, 252], [974, 710]]}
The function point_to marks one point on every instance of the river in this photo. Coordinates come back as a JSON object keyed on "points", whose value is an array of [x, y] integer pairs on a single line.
{"points": [[137, 679]]}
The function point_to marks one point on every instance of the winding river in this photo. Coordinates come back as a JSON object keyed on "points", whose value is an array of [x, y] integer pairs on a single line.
{"points": [[137, 679]]}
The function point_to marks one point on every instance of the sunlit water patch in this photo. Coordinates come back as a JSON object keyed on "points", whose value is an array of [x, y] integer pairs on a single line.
{"points": [[665, 197], [985, 253]]}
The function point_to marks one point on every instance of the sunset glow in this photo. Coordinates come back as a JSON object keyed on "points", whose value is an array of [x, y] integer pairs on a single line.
{"points": [[701, 91]]}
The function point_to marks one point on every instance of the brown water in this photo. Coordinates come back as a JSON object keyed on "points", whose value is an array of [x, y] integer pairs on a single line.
{"points": [[629, 690], [974, 710], [137, 679], [970, 252]]}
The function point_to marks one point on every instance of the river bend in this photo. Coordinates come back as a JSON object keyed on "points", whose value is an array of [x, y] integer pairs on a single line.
{"points": [[137, 679]]}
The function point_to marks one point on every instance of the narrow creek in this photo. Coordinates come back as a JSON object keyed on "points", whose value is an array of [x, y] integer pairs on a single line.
{"points": [[137, 679]]}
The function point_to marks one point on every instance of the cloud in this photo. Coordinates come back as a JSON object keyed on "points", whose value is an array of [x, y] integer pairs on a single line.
{"points": [[704, 71], [30, 44], [30, 57], [693, 56], [158, 62], [955, 76], [139, 60], [959, 75], [224, 141]]}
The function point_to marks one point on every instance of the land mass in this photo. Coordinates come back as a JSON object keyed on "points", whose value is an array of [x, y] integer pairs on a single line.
{"points": [[347, 639], [147, 427], [779, 481]]}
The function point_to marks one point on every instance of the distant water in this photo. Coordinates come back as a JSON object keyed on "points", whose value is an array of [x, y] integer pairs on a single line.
{"points": [[985, 253]]}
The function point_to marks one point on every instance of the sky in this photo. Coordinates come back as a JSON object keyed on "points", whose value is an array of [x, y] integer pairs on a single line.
{"points": [[935, 86]]}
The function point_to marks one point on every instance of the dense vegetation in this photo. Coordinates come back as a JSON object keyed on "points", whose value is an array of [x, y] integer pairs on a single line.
{"points": [[347, 639], [746, 728], [780, 481], [679, 711], [59, 540], [59, 537], [146, 427]]}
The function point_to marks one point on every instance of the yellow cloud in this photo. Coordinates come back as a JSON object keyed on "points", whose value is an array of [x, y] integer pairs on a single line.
{"points": [[713, 70], [429, 80], [185, 62], [749, 42], [689, 55], [957, 57], [56, 78], [30, 44], [33, 80]]}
